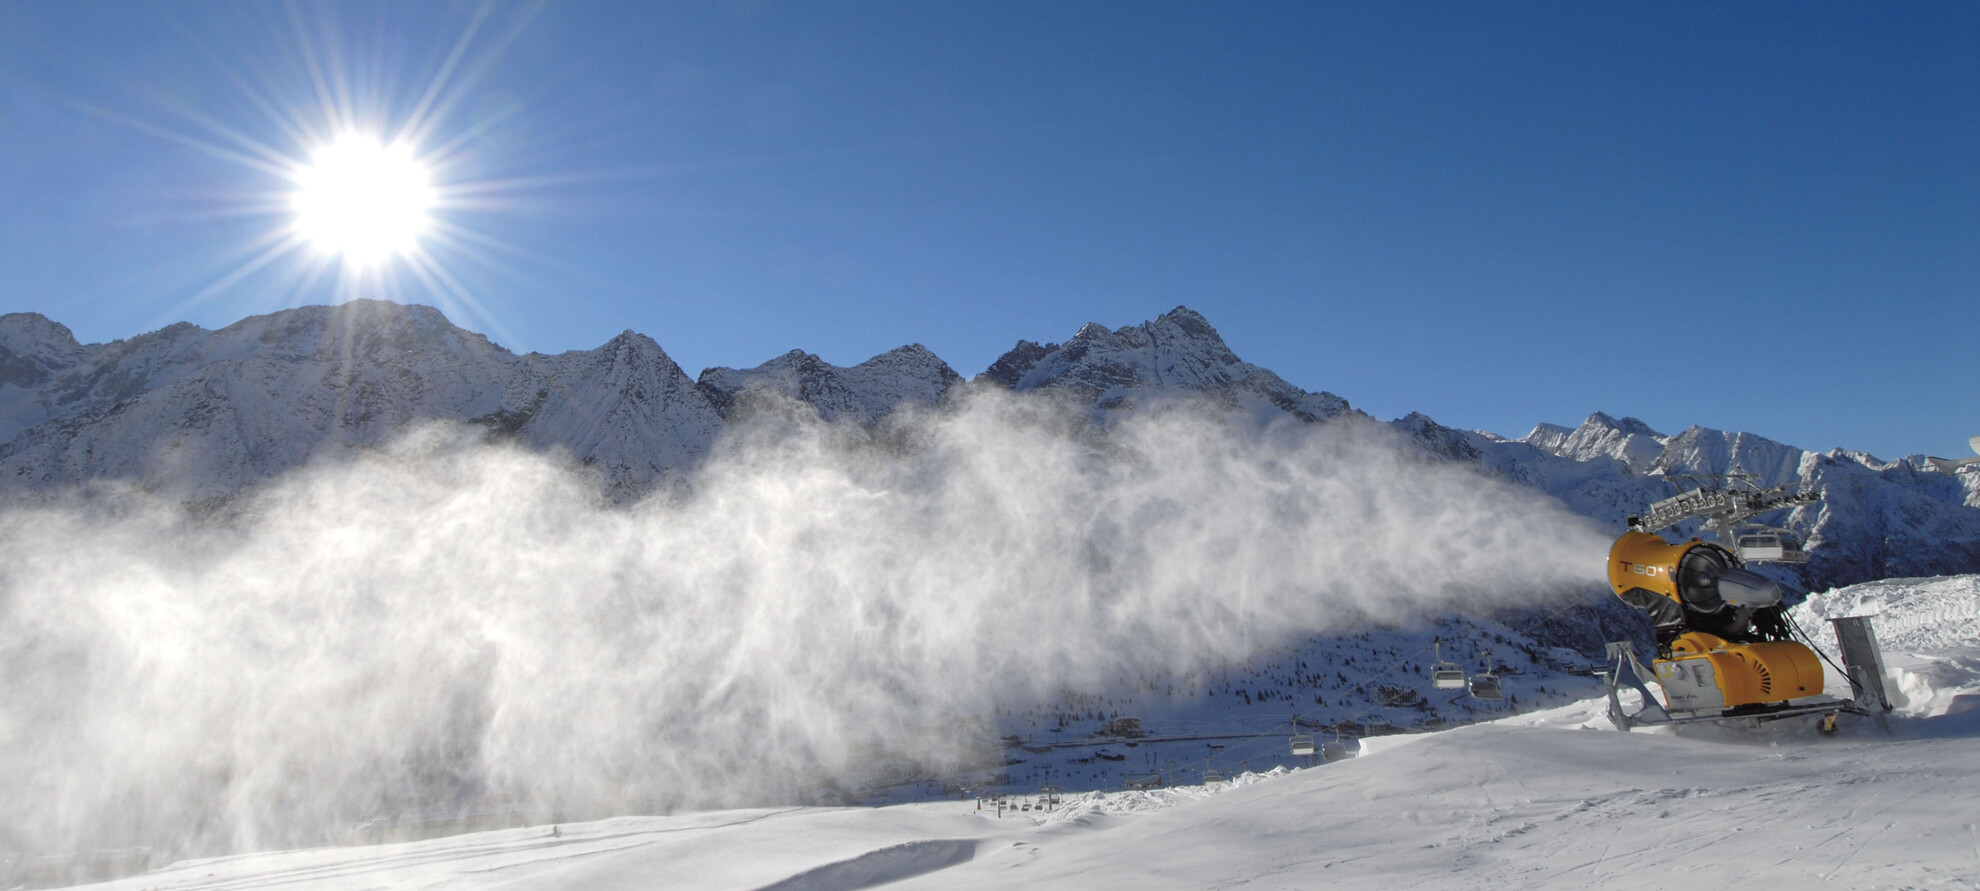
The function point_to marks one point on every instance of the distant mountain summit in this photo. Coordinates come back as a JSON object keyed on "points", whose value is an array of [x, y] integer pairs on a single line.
{"points": [[1177, 353], [1697, 450], [1629, 440], [203, 415], [33, 351], [865, 393]]}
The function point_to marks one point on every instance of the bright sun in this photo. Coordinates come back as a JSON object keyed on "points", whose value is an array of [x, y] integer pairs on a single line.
{"points": [[363, 200]]}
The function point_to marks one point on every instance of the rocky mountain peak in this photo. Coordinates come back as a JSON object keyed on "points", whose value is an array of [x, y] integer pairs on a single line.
{"points": [[1176, 355], [1180, 330], [1547, 437], [1090, 331], [1189, 323], [865, 393], [1011, 367], [27, 331], [1701, 450], [630, 343], [1626, 426], [34, 349], [1177, 350], [1436, 438], [915, 360], [1602, 436]]}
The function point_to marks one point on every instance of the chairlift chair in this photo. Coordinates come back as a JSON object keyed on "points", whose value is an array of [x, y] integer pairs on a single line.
{"points": [[1302, 747], [1766, 545], [1445, 675], [1485, 684], [1335, 750]]}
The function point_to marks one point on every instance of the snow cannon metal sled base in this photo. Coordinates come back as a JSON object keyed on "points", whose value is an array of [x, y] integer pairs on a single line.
{"points": [[1706, 678]]}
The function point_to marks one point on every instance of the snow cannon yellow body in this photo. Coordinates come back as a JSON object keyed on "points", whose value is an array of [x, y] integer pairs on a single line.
{"points": [[1721, 640], [1706, 671]]}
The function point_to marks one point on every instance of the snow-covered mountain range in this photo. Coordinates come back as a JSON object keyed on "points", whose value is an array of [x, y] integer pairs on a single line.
{"points": [[499, 643], [205, 414]]}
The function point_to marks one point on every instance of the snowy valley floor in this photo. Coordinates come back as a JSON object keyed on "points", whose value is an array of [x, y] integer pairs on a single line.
{"points": [[1548, 800]]}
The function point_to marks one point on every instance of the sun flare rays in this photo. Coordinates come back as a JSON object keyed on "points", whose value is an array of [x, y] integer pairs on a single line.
{"points": [[357, 179]]}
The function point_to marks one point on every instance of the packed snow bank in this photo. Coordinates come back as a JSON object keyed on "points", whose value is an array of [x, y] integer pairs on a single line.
{"points": [[1082, 806], [1929, 630], [1912, 615]]}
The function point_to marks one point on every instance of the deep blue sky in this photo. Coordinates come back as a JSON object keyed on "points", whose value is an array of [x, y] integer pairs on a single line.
{"points": [[1750, 216]]}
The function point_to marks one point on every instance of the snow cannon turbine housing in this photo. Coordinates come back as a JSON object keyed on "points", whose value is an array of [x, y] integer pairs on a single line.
{"points": [[1721, 639]]}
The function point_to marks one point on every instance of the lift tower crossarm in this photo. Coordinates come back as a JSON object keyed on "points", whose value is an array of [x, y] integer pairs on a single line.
{"points": [[1723, 507]]}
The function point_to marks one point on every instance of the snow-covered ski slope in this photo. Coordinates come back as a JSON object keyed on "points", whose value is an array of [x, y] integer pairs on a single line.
{"points": [[1545, 805], [1549, 799]]}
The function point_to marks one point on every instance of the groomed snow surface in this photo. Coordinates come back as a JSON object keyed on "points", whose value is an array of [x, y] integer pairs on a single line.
{"points": [[1550, 799]]}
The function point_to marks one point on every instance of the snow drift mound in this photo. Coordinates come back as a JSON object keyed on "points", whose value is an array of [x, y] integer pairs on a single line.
{"points": [[1912, 614], [1929, 629]]}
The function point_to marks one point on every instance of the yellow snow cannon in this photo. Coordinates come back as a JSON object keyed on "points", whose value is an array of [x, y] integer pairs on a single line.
{"points": [[1723, 647]]}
